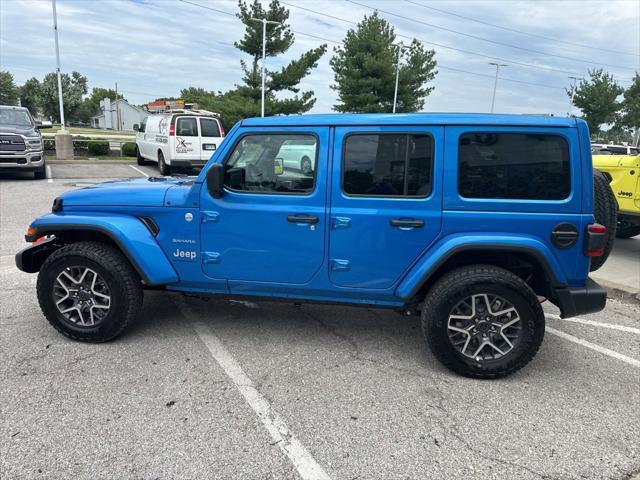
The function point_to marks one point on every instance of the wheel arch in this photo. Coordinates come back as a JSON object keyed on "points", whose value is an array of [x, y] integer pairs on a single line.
{"points": [[526, 261], [129, 235]]}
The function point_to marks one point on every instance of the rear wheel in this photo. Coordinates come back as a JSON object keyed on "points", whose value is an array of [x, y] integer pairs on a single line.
{"points": [[305, 165], [89, 292], [605, 211], [482, 321], [164, 168]]}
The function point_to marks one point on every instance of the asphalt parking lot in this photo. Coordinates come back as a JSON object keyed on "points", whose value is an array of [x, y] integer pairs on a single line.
{"points": [[213, 389]]}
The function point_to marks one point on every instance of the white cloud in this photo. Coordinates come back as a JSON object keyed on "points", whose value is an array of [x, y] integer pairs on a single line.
{"points": [[156, 47]]}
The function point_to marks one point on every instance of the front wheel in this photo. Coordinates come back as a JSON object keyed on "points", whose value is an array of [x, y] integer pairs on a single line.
{"points": [[89, 292], [40, 173], [483, 321], [139, 158]]}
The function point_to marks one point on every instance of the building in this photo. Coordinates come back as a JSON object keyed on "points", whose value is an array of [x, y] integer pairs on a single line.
{"points": [[159, 106], [118, 115]]}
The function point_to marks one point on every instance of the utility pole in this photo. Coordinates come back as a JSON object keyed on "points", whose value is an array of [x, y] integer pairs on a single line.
{"points": [[117, 110], [495, 83], [400, 48], [573, 91], [64, 141], [264, 22], [55, 30]]}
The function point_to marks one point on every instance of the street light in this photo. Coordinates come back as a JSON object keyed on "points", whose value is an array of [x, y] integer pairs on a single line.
{"points": [[495, 83], [55, 30], [400, 48], [264, 51]]}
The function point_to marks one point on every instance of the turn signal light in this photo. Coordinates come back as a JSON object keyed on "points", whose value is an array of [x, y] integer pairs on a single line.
{"points": [[31, 231]]}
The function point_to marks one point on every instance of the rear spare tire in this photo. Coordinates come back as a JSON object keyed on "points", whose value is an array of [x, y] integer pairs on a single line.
{"points": [[605, 211]]}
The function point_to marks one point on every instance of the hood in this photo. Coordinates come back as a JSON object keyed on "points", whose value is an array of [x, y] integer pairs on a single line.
{"points": [[27, 131], [138, 192]]}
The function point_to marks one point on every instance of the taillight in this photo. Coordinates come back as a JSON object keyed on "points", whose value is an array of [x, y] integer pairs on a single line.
{"points": [[172, 130], [595, 241], [222, 132]]}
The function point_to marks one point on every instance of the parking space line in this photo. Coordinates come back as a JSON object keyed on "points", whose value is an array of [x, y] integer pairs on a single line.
{"points": [[593, 346], [301, 459], [49, 174], [140, 171], [582, 321]]}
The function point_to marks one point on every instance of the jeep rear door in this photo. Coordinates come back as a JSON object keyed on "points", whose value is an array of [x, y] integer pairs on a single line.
{"points": [[386, 202]]}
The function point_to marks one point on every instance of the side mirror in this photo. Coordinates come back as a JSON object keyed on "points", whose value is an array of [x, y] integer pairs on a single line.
{"points": [[215, 180], [136, 127], [278, 166]]}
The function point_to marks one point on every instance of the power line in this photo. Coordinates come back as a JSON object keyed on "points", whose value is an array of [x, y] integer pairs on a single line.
{"points": [[581, 60], [471, 19]]}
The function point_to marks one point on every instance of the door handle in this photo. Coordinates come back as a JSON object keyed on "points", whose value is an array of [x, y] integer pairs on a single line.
{"points": [[302, 219], [406, 223]]}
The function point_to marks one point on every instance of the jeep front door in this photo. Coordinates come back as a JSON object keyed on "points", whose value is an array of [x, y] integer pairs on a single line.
{"points": [[268, 227], [386, 202]]}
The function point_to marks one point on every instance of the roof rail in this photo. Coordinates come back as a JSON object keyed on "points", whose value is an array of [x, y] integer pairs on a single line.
{"points": [[191, 111]]}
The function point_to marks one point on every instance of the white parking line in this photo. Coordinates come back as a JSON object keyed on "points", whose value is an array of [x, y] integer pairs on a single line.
{"points": [[301, 459], [140, 171], [582, 321], [593, 346], [49, 174]]}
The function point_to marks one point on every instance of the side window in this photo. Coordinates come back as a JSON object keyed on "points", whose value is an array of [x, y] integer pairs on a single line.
{"points": [[513, 165], [278, 163], [388, 165], [187, 127], [209, 127], [143, 125]]}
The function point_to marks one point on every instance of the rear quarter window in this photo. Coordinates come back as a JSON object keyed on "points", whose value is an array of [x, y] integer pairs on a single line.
{"points": [[520, 166]]}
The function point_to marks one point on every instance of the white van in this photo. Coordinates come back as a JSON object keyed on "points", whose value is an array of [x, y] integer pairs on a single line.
{"points": [[178, 138]]}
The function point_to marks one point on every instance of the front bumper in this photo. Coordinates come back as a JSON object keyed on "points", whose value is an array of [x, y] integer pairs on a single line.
{"points": [[579, 301], [29, 160]]}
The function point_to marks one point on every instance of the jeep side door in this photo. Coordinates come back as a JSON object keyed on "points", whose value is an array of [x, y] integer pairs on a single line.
{"points": [[386, 202], [269, 224]]}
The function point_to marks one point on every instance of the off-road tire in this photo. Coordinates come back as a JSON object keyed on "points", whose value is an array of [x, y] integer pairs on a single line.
{"points": [[165, 169], [463, 282], [605, 211], [121, 278], [40, 173], [139, 158], [626, 230]]}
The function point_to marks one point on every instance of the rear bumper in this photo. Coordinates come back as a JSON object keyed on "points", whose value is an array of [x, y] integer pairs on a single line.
{"points": [[188, 163], [21, 161], [579, 301]]}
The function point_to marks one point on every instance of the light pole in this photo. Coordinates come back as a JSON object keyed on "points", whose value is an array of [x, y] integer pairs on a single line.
{"points": [[400, 48], [264, 52], [55, 30], [495, 83]]}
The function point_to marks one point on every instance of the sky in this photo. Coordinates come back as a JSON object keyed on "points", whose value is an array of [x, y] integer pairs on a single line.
{"points": [[154, 48]]}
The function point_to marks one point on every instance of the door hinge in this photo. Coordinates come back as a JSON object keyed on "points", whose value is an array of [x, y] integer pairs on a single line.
{"points": [[210, 257], [210, 217], [340, 222], [338, 265]]}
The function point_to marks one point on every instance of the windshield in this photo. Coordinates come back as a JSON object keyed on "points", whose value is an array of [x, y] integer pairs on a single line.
{"points": [[20, 118]]}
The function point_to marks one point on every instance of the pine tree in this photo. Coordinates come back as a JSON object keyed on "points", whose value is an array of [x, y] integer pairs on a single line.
{"points": [[245, 99], [365, 69]]}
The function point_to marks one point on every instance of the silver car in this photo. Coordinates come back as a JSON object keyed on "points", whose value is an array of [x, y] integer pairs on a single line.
{"points": [[21, 145]]}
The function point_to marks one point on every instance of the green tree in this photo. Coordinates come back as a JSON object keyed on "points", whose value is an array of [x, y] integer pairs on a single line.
{"points": [[630, 115], [245, 99], [364, 69], [74, 86], [30, 95], [597, 97], [8, 89], [91, 104]]}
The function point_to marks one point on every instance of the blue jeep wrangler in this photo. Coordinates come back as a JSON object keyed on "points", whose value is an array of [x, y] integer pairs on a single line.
{"points": [[468, 220]]}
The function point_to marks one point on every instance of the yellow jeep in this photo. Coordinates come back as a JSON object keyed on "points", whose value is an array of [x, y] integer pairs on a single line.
{"points": [[623, 172]]}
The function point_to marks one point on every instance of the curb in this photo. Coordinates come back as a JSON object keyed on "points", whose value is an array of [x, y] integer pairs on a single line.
{"points": [[92, 162], [620, 292]]}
